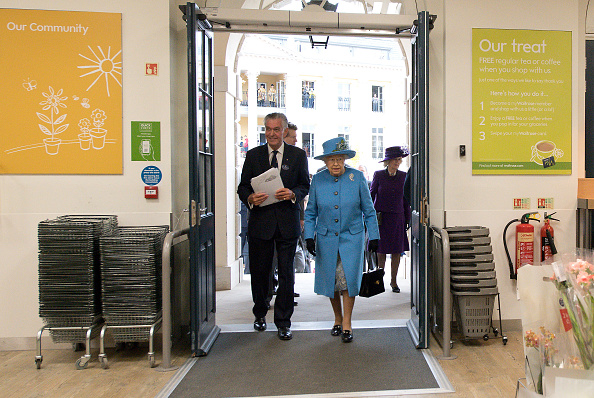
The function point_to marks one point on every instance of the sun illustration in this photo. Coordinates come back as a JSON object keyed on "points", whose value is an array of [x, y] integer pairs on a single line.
{"points": [[103, 66]]}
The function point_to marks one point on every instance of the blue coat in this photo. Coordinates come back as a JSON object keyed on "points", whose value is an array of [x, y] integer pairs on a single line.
{"points": [[338, 210]]}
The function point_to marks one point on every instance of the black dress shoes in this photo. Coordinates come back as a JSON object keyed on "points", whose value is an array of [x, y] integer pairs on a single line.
{"points": [[396, 289], [336, 330], [260, 324], [347, 336], [284, 333]]}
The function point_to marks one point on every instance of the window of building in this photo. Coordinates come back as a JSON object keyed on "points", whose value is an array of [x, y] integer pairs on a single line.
{"points": [[308, 95], [344, 96], [244, 98], [377, 98], [281, 93], [261, 135], [344, 132], [377, 142], [261, 94], [308, 144], [272, 96]]}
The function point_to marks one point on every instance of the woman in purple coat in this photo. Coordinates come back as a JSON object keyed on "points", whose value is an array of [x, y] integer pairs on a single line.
{"points": [[393, 212]]}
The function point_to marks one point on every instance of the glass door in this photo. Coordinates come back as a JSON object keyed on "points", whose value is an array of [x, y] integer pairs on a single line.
{"points": [[418, 324], [204, 330]]}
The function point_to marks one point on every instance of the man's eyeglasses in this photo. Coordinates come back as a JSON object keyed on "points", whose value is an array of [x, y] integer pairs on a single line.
{"points": [[276, 129]]}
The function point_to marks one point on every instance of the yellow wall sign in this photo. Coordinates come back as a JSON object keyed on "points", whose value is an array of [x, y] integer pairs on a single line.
{"points": [[61, 91], [521, 102]]}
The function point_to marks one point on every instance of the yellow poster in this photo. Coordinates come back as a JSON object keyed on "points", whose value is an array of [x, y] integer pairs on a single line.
{"points": [[521, 102], [61, 91]]}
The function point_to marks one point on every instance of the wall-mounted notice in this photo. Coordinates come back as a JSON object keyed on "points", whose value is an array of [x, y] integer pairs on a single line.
{"points": [[521, 102], [146, 141], [61, 85]]}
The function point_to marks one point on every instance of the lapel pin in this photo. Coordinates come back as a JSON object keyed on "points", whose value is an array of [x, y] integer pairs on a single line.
{"points": [[352, 177], [285, 167]]}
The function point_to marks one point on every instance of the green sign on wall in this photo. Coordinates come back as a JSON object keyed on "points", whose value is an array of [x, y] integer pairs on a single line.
{"points": [[521, 102], [146, 141]]}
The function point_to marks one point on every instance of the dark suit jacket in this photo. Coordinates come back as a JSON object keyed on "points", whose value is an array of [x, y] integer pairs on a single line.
{"points": [[295, 175]]}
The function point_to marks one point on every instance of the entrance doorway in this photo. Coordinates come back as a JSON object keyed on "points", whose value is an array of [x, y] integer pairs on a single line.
{"points": [[355, 88], [421, 25]]}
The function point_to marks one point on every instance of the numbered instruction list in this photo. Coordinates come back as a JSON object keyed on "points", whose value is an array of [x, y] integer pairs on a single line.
{"points": [[521, 102]]}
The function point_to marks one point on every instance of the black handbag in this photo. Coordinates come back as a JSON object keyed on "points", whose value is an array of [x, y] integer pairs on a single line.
{"points": [[372, 282]]}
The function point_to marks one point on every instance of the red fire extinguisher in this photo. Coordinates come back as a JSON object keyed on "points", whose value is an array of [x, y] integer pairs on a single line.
{"points": [[524, 242], [547, 238]]}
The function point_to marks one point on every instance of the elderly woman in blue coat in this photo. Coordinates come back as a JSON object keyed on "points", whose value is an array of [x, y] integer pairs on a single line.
{"points": [[338, 210]]}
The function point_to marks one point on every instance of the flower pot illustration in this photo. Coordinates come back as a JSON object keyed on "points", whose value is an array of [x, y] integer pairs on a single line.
{"points": [[84, 140], [52, 145], [98, 135]]}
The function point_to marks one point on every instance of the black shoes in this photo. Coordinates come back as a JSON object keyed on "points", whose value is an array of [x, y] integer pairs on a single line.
{"points": [[260, 324], [336, 330], [284, 333], [396, 289], [346, 336]]}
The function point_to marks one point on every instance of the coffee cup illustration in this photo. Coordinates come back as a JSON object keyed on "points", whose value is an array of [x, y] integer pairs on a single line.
{"points": [[544, 150]]}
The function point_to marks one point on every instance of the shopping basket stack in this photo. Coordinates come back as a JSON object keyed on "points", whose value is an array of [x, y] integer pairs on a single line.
{"points": [[472, 280], [69, 274], [131, 280]]}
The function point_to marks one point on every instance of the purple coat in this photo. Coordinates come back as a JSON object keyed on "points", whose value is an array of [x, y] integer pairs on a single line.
{"points": [[387, 193], [388, 199]]}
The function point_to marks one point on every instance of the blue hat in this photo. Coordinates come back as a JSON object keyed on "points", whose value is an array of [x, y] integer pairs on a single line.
{"points": [[394, 152], [336, 146]]}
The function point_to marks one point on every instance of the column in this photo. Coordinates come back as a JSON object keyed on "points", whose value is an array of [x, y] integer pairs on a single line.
{"points": [[252, 132]]}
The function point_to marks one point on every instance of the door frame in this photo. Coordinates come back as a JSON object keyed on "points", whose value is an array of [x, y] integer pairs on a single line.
{"points": [[251, 21]]}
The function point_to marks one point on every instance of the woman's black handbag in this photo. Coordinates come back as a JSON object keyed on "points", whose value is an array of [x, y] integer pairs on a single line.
{"points": [[372, 282]]}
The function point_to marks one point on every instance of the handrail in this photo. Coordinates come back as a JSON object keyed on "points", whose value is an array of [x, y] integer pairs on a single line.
{"points": [[446, 293], [166, 297]]}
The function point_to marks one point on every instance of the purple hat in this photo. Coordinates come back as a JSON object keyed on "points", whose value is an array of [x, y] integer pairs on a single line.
{"points": [[394, 152]]}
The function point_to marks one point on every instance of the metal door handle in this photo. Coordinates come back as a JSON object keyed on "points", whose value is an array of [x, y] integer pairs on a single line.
{"points": [[425, 211], [193, 213]]}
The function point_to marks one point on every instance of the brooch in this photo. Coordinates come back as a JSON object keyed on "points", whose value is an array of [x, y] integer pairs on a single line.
{"points": [[352, 177]]}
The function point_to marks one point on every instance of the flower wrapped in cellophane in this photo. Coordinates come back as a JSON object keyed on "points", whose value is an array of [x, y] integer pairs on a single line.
{"points": [[574, 279], [546, 343]]}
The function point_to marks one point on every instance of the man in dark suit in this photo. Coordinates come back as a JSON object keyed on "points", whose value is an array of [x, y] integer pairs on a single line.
{"points": [[275, 224]]}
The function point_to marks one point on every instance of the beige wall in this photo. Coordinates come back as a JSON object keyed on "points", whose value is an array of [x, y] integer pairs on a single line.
{"points": [[25, 200], [488, 200], [458, 196]]}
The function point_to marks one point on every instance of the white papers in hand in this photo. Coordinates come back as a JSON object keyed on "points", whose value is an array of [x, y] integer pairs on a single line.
{"points": [[268, 182]]}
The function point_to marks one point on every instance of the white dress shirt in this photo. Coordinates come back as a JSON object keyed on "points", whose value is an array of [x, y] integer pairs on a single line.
{"points": [[279, 154]]}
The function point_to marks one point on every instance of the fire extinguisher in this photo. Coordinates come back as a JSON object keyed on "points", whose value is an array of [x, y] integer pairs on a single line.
{"points": [[524, 242], [547, 238]]}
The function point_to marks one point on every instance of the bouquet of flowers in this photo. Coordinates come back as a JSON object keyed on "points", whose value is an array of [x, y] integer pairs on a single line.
{"points": [[574, 279], [550, 346], [540, 352]]}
